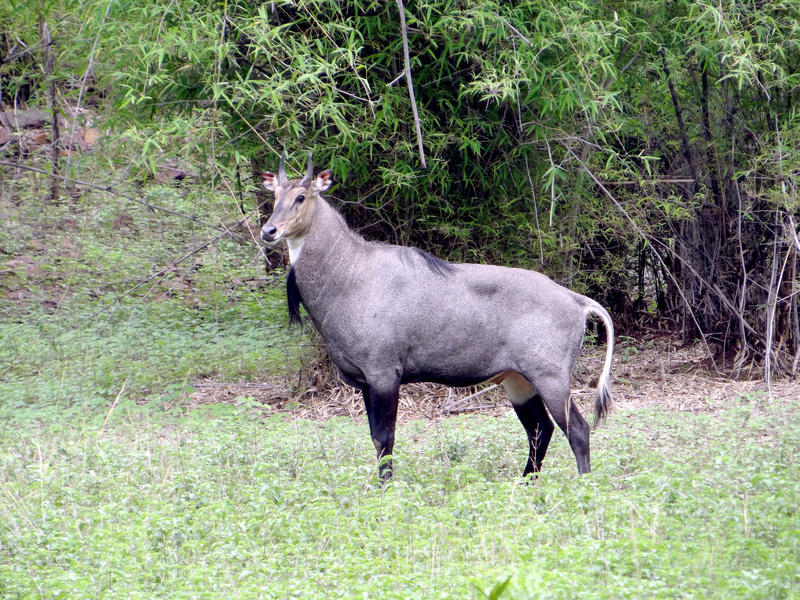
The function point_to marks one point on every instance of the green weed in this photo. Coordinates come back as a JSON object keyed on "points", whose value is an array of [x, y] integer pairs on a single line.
{"points": [[96, 297], [234, 504]]}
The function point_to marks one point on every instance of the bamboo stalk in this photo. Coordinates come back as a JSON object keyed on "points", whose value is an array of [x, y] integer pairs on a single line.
{"points": [[679, 116], [658, 256], [743, 298], [407, 58], [771, 304]]}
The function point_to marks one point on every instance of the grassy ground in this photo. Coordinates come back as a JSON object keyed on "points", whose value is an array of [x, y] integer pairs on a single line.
{"points": [[229, 503], [111, 488], [97, 293]]}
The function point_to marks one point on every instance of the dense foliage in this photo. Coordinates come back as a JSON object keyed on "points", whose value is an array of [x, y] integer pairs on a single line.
{"points": [[645, 153]]}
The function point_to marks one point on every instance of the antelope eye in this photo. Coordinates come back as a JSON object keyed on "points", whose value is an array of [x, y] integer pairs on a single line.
{"points": [[300, 199]]}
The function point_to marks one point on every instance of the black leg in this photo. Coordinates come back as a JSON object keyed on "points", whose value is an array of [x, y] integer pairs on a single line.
{"points": [[539, 427], [381, 405], [578, 436], [556, 397]]}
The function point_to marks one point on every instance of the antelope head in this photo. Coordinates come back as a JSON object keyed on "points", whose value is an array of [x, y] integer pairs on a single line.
{"points": [[294, 205]]}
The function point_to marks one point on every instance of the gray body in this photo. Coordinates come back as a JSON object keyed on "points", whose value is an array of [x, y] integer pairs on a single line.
{"points": [[387, 314], [391, 315]]}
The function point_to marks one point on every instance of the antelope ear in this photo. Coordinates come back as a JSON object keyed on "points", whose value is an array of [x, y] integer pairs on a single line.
{"points": [[323, 181], [270, 180]]}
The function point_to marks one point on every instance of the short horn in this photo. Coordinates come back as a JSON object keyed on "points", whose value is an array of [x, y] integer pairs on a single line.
{"points": [[309, 170], [282, 169]]}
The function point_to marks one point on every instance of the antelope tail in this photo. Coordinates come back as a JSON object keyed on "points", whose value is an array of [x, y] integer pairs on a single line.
{"points": [[602, 399]]}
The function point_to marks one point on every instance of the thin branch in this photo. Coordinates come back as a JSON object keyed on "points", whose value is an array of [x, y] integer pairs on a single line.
{"points": [[163, 274], [656, 242], [238, 385], [466, 409], [633, 58], [396, 79], [729, 305], [19, 55], [441, 79], [610, 79], [515, 30], [453, 407], [775, 280], [49, 70], [535, 212], [743, 298], [159, 273], [771, 305], [793, 230], [410, 83], [110, 410], [679, 116], [358, 77], [359, 98], [225, 232], [86, 77], [648, 181], [552, 185]]}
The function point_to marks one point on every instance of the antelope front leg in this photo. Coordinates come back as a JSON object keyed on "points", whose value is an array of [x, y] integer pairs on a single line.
{"points": [[381, 404]]}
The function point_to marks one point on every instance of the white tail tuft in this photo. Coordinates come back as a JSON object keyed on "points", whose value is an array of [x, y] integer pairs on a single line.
{"points": [[603, 399]]}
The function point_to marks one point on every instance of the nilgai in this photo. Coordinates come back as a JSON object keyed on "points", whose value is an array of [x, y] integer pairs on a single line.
{"points": [[391, 315]]}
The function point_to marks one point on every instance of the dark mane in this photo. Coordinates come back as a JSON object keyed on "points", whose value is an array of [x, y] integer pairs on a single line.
{"points": [[293, 299], [435, 264]]}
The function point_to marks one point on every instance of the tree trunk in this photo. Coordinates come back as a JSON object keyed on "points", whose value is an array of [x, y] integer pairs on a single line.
{"points": [[48, 64]]}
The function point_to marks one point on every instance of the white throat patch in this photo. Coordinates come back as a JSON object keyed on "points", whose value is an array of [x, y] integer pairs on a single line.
{"points": [[295, 248]]}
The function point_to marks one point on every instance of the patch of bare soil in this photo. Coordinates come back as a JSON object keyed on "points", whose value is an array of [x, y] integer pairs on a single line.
{"points": [[676, 378], [655, 373]]}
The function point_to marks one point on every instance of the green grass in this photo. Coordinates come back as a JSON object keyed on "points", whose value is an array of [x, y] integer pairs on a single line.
{"points": [[229, 503], [76, 325], [44, 362]]}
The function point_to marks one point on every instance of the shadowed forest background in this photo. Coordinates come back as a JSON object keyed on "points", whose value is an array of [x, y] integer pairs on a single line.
{"points": [[644, 154]]}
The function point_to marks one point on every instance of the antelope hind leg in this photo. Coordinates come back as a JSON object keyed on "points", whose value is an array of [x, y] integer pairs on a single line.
{"points": [[533, 416], [556, 397]]}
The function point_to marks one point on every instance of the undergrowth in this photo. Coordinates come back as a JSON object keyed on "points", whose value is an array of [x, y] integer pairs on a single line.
{"points": [[102, 295], [227, 502], [154, 357]]}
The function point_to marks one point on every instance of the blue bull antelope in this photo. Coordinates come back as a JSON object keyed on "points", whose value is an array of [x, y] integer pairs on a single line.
{"points": [[391, 315]]}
